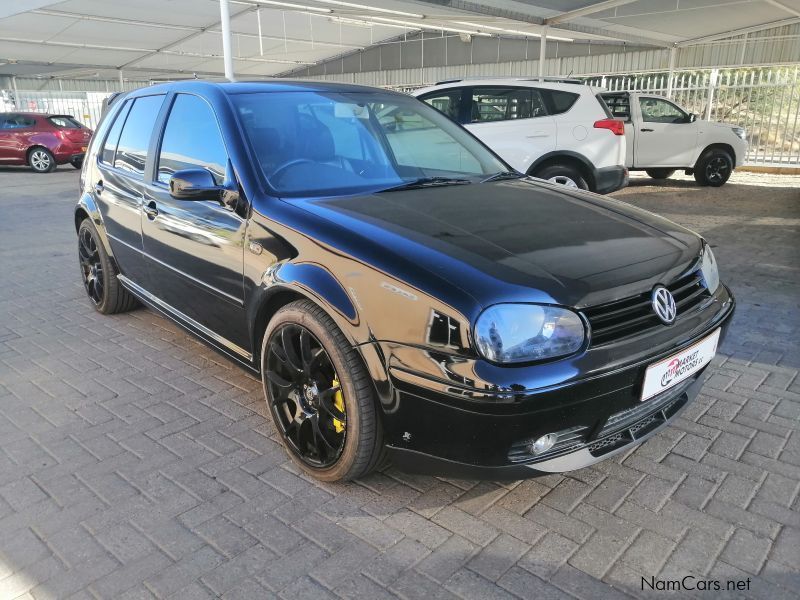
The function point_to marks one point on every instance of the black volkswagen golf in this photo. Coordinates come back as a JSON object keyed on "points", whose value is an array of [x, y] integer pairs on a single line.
{"points": [[402, 292]]}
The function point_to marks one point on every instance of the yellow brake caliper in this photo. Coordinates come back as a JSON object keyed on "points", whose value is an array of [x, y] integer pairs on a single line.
{"points": [[338, 402]]}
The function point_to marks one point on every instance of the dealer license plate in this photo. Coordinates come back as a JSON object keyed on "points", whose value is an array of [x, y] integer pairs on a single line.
{"points": [[671, 371]]}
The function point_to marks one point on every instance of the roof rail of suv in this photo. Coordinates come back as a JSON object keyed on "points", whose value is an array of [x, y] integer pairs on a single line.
{"points": [[546, 79]]}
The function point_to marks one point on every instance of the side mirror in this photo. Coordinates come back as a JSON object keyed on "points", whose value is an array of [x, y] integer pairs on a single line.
{"points": [[194, 184], [692, 117]]}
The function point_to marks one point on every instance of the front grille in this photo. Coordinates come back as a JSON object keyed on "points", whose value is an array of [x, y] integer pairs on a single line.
{"points": [[623, 318], [626, 417]]}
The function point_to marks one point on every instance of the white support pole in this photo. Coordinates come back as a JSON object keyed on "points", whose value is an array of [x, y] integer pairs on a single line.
{"points": [[712, 85], [542, 49], [260, 38], [225, 22], [121, 81], [16, 93], [671, 75]]}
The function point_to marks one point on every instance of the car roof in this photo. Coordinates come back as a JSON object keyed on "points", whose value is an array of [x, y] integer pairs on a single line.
{"points": [[249, 87]]}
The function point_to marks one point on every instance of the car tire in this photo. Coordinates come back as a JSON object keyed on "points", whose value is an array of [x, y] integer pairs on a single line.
{"points": [[362, 449], [660, 173], [41, 160], [100, 275], [77, 163], [713, 168], [566, 175]]}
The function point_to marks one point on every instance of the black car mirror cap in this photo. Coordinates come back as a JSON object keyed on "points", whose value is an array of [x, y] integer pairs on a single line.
{"points": [[692, 117], [194, 184]]}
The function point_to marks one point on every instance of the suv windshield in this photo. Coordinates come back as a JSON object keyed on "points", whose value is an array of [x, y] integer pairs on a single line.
{"points": [[338, 143]]}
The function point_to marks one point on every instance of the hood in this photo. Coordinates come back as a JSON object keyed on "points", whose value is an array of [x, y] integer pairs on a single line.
{"points": [[577, 249]]}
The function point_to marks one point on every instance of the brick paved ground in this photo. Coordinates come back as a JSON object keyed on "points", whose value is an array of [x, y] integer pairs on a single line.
{"points": [[136, 463]]}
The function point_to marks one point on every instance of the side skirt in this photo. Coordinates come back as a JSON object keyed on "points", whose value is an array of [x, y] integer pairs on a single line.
{"points": [[216, 341]]}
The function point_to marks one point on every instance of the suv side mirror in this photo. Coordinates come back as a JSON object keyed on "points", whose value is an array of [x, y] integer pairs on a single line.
{"points": [[692, 117], [194, 184]]}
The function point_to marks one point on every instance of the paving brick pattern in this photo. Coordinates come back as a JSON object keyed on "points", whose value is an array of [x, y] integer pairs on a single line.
{"points": [[137, 463]]}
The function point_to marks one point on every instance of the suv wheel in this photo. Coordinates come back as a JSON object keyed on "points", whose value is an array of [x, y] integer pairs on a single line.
{"points": [[660, 173], [565, 175], [320, 395], [99, 275], [713, 168], [41, 160]]}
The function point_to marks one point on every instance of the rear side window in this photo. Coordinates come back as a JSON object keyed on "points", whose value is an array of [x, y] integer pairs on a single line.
{"points": [[17, 122], [447, 102], [192, 140], [559, 101], [504, 104], [110, 145], [65, 122], [132, 147], [619, 105]]}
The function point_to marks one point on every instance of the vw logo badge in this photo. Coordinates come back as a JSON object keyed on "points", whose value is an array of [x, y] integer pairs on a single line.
{"points": [[664, 305]]}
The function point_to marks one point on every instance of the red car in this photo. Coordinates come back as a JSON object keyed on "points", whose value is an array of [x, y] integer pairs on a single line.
{"points": [[42, 141]]}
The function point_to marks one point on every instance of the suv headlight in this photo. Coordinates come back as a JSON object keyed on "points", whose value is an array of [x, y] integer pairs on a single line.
{"points": [[740, 132], [515, 333], [709, 270]]}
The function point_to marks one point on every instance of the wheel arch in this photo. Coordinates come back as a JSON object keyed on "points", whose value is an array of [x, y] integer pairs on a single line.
{"points": [[717, 146], [574, 159]]}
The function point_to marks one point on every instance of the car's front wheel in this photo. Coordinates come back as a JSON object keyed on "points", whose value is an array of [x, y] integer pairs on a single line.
{"points": [[99, 275], [566, 175], [320, 395], [41, 160], [713, 168], [660, 173]]}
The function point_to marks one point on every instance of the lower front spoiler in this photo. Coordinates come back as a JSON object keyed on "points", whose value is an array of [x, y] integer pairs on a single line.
{"points": [[605, 446]]}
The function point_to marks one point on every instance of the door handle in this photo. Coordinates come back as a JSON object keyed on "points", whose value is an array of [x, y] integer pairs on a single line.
{"points": [[538, 134], [646, 130], [98, 187], [151, 210]]}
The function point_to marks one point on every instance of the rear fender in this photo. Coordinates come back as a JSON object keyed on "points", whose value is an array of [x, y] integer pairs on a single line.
{"points": [[87, 207]]}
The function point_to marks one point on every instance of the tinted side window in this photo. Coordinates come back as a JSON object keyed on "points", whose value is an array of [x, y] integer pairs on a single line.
{"points": [[619, 105], [18, 122], [559, 101], [110, 145], [447, 102], [502, 104], [192, 140], [65, 122], [132, 148]]}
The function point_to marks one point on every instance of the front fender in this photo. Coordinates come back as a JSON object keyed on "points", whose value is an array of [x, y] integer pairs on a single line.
{"points": [[87, 207]]}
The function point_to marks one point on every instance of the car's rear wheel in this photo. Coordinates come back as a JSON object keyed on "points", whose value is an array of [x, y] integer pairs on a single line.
{"points": [[713, 168], [565, 175], [320, 395], [99, 275], [41, 160], [660, 173], [77, 163]]}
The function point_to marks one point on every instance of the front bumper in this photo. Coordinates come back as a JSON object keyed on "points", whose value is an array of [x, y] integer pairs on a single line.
{"points": [[430, 430]]}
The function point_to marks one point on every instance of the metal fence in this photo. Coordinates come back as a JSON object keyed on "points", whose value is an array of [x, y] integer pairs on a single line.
{"points": [[765, 101]]}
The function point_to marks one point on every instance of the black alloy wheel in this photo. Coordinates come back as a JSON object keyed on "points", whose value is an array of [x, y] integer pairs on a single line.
{"points": [[717, 170], [91, 266], [305, 396]]}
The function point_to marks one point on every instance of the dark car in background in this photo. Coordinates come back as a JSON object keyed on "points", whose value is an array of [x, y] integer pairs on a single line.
{"points": [[398, 287], [42, 141]]}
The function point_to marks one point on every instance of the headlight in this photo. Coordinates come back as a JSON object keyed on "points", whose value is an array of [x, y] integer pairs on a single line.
{"points": [[709, 270], [514, 333], [740, 132]]}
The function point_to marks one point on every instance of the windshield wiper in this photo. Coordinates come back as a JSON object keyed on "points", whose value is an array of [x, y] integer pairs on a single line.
{"points": [[426, 182], [502, 175]]}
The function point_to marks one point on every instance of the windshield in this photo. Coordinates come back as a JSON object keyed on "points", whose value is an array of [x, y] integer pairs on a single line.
{"points": [[339, 143]]}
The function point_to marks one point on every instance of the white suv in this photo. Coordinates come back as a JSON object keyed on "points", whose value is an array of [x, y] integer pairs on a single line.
{"points": [[559, 130]]}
